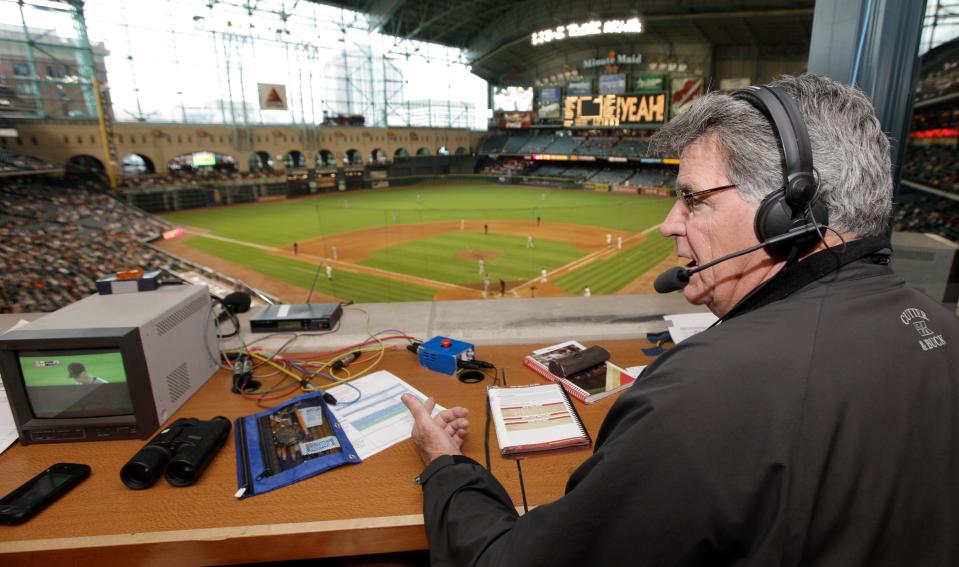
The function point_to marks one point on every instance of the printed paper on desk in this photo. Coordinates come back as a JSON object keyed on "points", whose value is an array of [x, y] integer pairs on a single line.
{"points": [[8, 428], [378, 419], [685, 325]]}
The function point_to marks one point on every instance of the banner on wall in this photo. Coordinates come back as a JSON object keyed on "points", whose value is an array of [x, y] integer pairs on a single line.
{"points": [[272, 97], [583, 87], [612, 84], [647, 83], [549, 102], [685, 90], [515, 119]]}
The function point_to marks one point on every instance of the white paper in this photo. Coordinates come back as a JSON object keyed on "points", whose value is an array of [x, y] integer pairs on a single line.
{"points": [[379, 419], [685, 325], [635, 371], [532, 415], [8, 428]]}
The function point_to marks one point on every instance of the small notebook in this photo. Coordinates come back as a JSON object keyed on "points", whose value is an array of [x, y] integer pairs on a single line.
{"points": [[535, 418], [590, 385]]}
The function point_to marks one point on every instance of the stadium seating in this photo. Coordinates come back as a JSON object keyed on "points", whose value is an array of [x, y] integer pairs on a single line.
{"points": [[493, 144], [630, 147], [921, 212], [933, 165], [549, 171], [515, 142], [16, 163], [611, 176], [537, 144], [597, 146], [653, 178], [56, 242], [565, 145]]}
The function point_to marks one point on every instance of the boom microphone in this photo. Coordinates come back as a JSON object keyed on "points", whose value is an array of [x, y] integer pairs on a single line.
{"points": [[676, 278]]}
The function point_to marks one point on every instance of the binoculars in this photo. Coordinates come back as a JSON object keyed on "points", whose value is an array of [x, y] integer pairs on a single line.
{"points": [[180, 453]]}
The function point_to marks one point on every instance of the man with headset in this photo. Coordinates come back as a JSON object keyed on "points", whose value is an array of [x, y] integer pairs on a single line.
{"points": [[816, 424]]}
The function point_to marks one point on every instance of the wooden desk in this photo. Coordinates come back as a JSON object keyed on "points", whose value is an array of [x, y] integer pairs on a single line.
{"points": [[372, 507]]}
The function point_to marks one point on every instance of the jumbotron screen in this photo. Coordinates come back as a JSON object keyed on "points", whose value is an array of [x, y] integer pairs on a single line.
{"points": [[513, 99], [615, 110]]}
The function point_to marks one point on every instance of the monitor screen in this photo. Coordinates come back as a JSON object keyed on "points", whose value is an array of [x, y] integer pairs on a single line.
{"points": [[76, 383]]}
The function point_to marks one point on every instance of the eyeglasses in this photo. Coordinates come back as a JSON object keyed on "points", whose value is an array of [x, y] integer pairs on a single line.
{"points": [[690, 198]]}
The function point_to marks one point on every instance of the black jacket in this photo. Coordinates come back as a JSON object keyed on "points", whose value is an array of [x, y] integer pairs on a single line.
{"points": [[820, 428]]}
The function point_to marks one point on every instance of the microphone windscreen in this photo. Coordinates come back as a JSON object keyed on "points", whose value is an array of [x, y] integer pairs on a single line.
{"points": [[672, 279], [238, 302]]}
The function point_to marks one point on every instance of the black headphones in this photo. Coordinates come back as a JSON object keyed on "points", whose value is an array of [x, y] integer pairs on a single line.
{"points": [[796, 206]]}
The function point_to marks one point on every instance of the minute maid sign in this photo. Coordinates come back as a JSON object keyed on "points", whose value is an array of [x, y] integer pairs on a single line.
{"points": [[613, 59]]}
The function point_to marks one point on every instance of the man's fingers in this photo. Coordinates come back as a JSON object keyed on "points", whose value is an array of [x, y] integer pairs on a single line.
{"points": [[416, 407]]}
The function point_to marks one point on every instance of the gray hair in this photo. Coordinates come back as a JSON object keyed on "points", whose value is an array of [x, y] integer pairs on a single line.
{"points": [[850, 150]]}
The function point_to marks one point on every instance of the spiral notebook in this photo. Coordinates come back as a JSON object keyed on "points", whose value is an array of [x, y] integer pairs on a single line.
{"points": [[535, 418]]}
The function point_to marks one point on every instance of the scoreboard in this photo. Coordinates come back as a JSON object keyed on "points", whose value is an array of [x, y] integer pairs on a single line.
{"points": [[615, 110]]}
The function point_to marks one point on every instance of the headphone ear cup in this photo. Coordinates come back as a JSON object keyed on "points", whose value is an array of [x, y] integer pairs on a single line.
{"points": [[776, 216]]}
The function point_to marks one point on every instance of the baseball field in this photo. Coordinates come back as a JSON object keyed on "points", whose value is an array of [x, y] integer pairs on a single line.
{"points": [[451, 240]]}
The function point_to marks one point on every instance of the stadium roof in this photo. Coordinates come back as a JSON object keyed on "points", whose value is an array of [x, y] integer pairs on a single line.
{"points": [[496, 33]]}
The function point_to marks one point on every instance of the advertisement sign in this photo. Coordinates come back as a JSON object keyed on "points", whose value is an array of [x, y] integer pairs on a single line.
{"points": [[685, 91], [612, 84], [272, 97], [583, 87], [648, 83], [615, 110], [549, 102], [515, 119]]}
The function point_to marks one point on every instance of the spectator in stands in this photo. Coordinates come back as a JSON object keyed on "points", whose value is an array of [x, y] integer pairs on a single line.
{"points": [[787, 434]]}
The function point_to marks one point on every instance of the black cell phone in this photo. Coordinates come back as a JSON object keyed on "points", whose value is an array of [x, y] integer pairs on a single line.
{"points": [[41, 491]]}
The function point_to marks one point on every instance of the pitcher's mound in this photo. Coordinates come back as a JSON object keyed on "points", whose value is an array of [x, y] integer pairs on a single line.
{"points": [[477, 254]]}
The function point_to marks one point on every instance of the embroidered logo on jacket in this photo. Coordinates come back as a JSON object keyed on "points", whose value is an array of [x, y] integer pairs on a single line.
{"points": [[928, 339]]}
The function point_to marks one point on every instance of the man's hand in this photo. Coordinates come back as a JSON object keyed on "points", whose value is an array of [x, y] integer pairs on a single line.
{"points": [[440, 435]]}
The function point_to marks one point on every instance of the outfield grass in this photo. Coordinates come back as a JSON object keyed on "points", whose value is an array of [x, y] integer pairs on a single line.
{"points": [[279, 223], [435, 257], [361, 288], [611, 275]]}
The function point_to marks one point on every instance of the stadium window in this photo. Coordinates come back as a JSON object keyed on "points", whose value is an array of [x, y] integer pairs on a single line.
{"points": [[34, 140], [93, 140], [66, 140], [80, 140], [230, 137], [189, 139], [221, 139], [179, 139], [21, 69], [120, 138]]}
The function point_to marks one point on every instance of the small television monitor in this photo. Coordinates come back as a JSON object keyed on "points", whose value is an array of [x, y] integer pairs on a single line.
{"points": [[109, 366]]}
